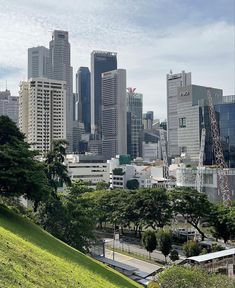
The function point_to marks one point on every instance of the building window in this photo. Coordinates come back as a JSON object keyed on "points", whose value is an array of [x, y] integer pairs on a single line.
{"points": [[182, 122]]}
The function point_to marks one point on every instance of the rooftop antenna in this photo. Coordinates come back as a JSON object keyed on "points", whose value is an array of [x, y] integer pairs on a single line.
{"points": [[171, 72], [6, 85]]}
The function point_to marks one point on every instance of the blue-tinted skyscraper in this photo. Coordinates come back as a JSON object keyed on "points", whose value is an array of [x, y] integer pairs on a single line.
{"points": [[100, 62], [225, 114], [84, 97], [134, 119]]}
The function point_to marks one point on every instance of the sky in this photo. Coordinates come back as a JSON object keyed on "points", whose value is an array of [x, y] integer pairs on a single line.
{"points": [[151, 38]]}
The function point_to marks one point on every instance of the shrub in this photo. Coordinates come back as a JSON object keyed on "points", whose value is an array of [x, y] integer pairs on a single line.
{"points": [[153, 284], [174, 255], [191, 248]]}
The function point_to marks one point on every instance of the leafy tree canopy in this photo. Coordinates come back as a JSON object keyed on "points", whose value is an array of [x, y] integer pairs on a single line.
{"points": [[132, 184], [192, 205], [20, 173], [164, 239], [149, 240]]}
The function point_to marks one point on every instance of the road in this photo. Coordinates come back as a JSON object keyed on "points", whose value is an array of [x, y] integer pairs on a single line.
{"points": [[139, 264]]}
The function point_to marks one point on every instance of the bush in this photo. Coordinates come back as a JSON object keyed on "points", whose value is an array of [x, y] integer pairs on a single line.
{"points": [[185, 277], [191, 248], [153, 284], [174, 255]]}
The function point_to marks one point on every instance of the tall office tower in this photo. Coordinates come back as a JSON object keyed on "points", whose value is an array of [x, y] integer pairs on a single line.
{"points": [[61, 70], [135, 109], [83, 107], [100, 62], [114, 125], [24, 107], [148, 120], [174, 81], [189, 121], [9, 106], [43, 112], [225, 114], [38, 62]]}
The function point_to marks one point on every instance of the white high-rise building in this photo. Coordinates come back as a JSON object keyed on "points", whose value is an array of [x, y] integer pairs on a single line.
{"points": [[9, 106], [43, 112], [38, 62], [114, 125], [174, 82], [60, 63]]}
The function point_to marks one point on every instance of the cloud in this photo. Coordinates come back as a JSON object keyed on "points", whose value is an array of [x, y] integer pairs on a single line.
{"points": [[151, 37]]}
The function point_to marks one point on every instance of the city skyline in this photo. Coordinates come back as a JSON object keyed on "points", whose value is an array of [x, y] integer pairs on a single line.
{"points": [[150, 40]]}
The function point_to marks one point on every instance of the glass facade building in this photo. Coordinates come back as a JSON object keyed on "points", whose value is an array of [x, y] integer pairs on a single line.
{"points": [[134, 119], [100, 62], [84, 97], [225, 114]]}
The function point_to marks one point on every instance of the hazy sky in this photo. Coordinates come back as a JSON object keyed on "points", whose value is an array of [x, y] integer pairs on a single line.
{"points": [[150, 36]]}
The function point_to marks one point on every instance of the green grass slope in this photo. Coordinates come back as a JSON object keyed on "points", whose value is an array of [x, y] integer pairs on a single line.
{"points": [[31, 257]]}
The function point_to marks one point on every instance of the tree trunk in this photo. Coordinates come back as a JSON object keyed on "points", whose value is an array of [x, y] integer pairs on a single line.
{"points": [[122, 230], [199, 230]]}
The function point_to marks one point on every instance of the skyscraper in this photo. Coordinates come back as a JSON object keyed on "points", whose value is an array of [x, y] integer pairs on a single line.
{"points": [[174, 81], [43, 112], [114, 125], [61, 70], [189, 99], [148, 120], [100, 62], [38, 62], [135, 109], [83, 107], [9, 106]]}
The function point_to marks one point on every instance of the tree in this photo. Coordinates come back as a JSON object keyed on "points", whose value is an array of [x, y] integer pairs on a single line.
{"points": [[174, 255], [223, 221], [191, 248], [155, 207], [20, 173], [132, 184], [149, 241], [56, 171], [164, 239], [102, 185], [79, 187], [118, 171], [192, 205], [68, 218]]}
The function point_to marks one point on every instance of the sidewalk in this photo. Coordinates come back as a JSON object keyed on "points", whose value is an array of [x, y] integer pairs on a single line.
{"points": [[136, 249]]}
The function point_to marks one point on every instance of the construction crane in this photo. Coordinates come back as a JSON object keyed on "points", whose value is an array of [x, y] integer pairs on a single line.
{"points": [[164, 156], [200, 176], [222, 178]]}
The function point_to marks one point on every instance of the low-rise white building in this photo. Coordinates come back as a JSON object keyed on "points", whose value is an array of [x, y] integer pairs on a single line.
{"points": [[186, 177], [89, 168], [120, 174]]}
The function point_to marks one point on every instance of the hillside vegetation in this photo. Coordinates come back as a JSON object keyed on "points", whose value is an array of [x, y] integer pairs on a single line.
{"points": [[31, 257]]}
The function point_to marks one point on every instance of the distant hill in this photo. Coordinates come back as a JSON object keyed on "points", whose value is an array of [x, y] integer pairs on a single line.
{"points": [[31, 257]]}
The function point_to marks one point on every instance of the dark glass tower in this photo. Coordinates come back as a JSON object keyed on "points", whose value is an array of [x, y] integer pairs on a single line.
{"points": [[100, 62], [225, 114], [84, 97]]}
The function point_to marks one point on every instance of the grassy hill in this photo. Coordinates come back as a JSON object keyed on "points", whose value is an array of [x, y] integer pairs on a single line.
{"points": [[31, 257]]}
